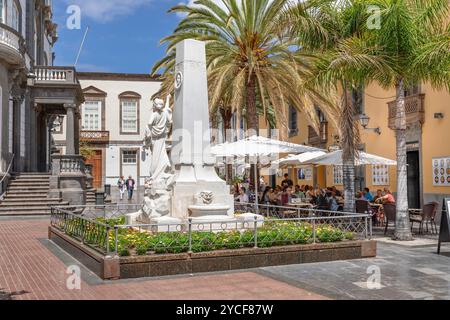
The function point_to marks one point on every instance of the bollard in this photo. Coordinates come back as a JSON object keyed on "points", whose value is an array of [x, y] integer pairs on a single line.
{"points": [[190, 234], [256, 232]]}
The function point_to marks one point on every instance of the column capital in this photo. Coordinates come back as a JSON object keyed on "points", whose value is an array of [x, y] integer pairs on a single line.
{"points": [[71, 106]]}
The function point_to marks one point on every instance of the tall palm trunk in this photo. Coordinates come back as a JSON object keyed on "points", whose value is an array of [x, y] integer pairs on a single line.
{"points": [[350, 141], [252, 112], [252, 115], [402, 222], [227, 116]]}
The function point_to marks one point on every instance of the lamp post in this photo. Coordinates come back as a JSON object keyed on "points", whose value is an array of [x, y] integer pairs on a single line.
{"points": [[364, 120]]}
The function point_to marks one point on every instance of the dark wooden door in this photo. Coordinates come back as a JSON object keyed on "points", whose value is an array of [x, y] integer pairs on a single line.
{"points": [[413, 179], [96, 161]]}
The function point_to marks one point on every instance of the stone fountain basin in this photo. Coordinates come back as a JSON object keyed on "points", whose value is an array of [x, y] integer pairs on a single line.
{"points": [[197, 211]]}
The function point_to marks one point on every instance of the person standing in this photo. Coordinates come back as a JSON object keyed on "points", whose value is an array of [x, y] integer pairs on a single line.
{"points": [[122, 186], [287, 182], [130, 187]]}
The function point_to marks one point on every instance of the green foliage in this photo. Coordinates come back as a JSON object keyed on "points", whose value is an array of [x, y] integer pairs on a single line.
{"points": [[132, 242]]}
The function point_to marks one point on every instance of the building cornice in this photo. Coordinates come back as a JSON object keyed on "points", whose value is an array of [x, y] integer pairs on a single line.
{"points": [[117, 76]]}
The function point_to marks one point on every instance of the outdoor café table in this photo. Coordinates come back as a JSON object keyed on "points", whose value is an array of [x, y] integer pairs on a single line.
{"points": [[302, 205]]}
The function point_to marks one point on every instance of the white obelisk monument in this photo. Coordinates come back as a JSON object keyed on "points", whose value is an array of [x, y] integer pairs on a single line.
{"points": [[198, 191]]}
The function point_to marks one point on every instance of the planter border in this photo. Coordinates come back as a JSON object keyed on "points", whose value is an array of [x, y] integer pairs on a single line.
{"points": [[113, 267]]}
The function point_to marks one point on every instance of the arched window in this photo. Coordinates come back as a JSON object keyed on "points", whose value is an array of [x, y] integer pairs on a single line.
{"points": [[15, 16], [2, 11]]}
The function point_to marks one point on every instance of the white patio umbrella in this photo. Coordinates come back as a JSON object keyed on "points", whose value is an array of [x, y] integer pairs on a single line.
{"points": [[256, 147], [297, 160], [335, 158]]}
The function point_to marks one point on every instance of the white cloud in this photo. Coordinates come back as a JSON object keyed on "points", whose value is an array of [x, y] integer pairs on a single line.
{"points": [[107, 10]]}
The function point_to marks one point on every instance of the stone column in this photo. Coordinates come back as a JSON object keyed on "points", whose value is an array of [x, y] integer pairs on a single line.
{"points": [[71, 129], [77, 132]]}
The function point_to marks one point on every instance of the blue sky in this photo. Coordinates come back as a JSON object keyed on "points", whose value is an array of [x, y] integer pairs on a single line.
{"points": [[124, 34]]}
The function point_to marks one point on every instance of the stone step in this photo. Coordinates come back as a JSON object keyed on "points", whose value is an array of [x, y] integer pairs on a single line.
{"points": [[34, 213], [30, 177], [27, 195], [29, 184], [45, 200], [31, 205], [29, 180], [28, 188], [32, 209]]}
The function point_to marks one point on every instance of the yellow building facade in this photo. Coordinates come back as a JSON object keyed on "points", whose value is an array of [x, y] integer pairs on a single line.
{"points": [[428, 143]]}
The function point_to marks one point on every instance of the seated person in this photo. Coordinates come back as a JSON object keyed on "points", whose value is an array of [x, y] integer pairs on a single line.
{"points": [[299, 193], [275, 196], [336, 191], [242, 197], [388, 197], [367, 195], [360, 196], [378, 196], [265, 199], [332, 202], [286, 196]]}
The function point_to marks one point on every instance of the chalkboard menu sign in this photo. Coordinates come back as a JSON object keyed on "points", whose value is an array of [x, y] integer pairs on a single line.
{"points": [[444, 233]]}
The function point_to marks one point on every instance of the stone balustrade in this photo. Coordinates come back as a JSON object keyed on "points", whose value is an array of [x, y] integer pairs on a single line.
{"points": [[94, 136], [63, 164], [9, 37], [56, 75]]}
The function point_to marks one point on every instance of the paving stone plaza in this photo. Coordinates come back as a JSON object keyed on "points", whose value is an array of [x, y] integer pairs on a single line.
{"points": [[34, 268]]}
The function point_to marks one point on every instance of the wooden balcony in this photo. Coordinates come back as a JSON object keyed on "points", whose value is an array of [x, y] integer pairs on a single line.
{"points": [[320, 140], [94, 137], [415, 110]]}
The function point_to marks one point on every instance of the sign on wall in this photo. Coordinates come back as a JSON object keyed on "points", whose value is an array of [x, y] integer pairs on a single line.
{"points": [[305, 173], [338, 175], [380, 175], [441, 171]]}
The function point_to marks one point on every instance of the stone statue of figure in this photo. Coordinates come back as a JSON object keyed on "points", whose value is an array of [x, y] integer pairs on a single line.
{"points": [[156, 135], [157, 200]]}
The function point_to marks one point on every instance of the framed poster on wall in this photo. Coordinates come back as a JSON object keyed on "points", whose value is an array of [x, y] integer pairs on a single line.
{"points": [[380, 175], [441, 172]]}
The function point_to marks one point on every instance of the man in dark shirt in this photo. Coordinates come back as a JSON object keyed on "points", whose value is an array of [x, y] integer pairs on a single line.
{"points": [[130, 183], [287, 182]]}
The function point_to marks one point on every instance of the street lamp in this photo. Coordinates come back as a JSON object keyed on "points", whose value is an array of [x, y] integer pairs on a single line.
{"points": [[364, 120]]}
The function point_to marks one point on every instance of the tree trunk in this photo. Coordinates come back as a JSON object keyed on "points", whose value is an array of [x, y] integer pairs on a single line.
{"points": [[402, 222], [350, 139], [252, 112], [226, 116], [252, 116]]}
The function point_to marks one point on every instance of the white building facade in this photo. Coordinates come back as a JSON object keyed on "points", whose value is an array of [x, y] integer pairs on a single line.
{"points": [[114, 117]]}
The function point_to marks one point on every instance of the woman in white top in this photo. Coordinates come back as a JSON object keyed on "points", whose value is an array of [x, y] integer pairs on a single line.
{"points": [[242, 197], [122, 187]]}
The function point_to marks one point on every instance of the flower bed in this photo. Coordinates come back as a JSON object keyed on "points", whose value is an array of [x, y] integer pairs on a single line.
{"points": [[131, 242], [273, 233]]}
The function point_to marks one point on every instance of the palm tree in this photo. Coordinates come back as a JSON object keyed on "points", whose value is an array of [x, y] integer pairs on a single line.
{"points": [[345, 60], [407, 35], [250, 57]]}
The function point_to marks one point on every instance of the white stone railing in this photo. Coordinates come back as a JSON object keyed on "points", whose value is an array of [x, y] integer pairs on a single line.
{"points": [[67, 164], [10, 38], [55, 75]]}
